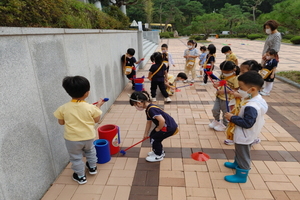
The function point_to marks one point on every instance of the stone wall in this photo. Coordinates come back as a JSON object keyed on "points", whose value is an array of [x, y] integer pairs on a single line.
{"points": [[33, 64]]}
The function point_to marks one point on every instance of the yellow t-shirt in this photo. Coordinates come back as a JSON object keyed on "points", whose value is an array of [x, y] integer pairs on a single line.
{"points": [[171, 81], [232, 57], [79, 120], [231, 82]]}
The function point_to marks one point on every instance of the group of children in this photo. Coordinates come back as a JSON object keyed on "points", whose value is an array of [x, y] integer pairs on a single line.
{"points": [[238, 98]]}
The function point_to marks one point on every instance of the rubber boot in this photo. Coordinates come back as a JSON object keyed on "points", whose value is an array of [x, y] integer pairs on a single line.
{"points": [[231, 165], [239, 177]]}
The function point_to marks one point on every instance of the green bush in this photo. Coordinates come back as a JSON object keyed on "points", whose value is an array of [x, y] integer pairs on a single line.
{"points": [[56, 14], [164, 35], [295, 40], [288, 36], [254, 36]]}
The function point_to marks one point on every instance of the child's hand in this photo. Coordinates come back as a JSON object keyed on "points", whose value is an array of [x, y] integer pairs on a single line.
{"points": [[228, 116], [145, 135], [220, 92], [100, 103], [216, 84], [272, 76], [237, 95]]}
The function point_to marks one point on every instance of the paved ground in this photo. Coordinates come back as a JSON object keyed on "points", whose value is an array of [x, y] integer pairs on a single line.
{"points": [[275, 171]]}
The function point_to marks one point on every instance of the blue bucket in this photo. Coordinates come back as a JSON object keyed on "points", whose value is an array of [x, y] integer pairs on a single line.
{"points": [[103, 152], [139, 87]]}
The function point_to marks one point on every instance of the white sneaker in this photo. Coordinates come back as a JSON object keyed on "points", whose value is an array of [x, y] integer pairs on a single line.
{"points": [[228, 142], [199, 76], [203, 84], [264, 93], [256, 141], [168, 100], [220, 127], [153, 99], [192, 81], [154, 158], [151, 153], [213, 124], [185, 81]]}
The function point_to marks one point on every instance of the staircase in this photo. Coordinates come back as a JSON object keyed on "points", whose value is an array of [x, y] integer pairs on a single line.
{"points": [[148, 49]]}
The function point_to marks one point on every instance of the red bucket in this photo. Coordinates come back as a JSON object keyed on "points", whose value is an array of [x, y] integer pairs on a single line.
{"points": [[110, 132], [139, 80]]}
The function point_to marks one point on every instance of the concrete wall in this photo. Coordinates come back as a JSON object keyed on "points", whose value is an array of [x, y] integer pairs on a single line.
{"points": [[33, 62], [153, 36]]}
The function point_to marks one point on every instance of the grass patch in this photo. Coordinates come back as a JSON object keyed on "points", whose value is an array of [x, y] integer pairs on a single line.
{"points": [[203, 41], [292, 75]]}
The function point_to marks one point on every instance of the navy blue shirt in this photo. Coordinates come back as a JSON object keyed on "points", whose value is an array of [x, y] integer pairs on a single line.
{"points": [[210, 59], [154, 111], [160, 75], [270, 65]]}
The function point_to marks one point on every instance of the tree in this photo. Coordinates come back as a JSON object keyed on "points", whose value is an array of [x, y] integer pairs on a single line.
{"points": [[148, 10], [207, 24], [233, 15], [251, 5], [246, 28], [192, 9]]}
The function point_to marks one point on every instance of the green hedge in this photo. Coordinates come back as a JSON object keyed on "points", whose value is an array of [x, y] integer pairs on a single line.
{"points": [[288, 36], [295, 40], [255, 36], [165, 35], [56, 14], [196, 37]]}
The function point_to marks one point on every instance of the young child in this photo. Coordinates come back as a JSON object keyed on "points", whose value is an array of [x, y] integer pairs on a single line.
{"points": [[270, 64], [79, 118], [202, 59], [250, 65], [190, 55], [171, 82], [157, 75], [228, 74], [165, 125], [167, 57], [209, 63], [128, 65], [229, 55], [248, 124]]}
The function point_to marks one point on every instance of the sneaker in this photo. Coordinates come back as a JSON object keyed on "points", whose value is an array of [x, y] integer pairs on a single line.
{"points": [[199, 76], [168, 100], [92, 170], [203, 84], [228, 142], [192, 81], [220, 127], [151, 153], [81, 180], [264, 93], [256, 141], [185, 81], [213, 124], [153, 99], [155, 158]]}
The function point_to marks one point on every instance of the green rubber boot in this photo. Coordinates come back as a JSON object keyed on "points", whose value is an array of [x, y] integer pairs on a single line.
{"points": [[239, 177], [231, 165]]}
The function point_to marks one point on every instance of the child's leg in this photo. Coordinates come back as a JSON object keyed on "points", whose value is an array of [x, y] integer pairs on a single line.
{"points": [[153, 88], [201, 70], [186, 71], [242, 156], [90, 153], [268, 87], [162, 88], [216, 110], [193, 70], [75, 151], [205, 77], [157, 137], [224, 110]]}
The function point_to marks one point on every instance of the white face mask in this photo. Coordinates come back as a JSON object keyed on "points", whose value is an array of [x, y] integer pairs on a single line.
{"points": [[164, 51], [244, 94], [268, 31], [139, 108], [228, 74], [190, 46], [227, 54]]}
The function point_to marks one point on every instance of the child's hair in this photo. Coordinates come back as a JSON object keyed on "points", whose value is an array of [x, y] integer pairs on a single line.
{"points": [[157, 58], [272, 52], [182, 75], [193, 42], [212, 49], [225, 49], [131, 51], [76, 86], [203, 48], [229, 66], [139, 97], [252, 78], [252, 65], [164, 45]]}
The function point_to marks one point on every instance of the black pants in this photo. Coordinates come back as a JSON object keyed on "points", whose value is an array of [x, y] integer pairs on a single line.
{"points": [[157, 137], [161, 86], [205, 77], [131, 76]]}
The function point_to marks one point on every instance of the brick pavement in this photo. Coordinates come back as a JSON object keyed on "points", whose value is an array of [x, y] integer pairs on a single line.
{"points": [[275, 166]]}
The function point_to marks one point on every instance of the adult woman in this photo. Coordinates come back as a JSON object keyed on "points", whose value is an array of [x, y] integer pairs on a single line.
{"points": [[273, 40]]}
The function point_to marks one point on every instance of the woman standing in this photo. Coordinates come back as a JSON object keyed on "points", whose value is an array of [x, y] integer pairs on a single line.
{"points": [[273, 40]]}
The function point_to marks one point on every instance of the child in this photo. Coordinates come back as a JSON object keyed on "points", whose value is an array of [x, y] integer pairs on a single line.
{"points": [[190, 55], [171, 82], [202, 59], [209, 63], [79, 118], [165, 126], [167, 57], [248, 124], [229, 55], [128, 65], [271, 65], [250, 65], [228, 74], [157, 75]]}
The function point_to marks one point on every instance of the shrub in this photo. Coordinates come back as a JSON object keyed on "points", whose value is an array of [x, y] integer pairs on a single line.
{"points": [[164, 35], [254, 36], [288, 36], [295, 40]]}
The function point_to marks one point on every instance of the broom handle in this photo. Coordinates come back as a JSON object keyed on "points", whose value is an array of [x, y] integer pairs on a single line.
{"points": [[136, 143]]}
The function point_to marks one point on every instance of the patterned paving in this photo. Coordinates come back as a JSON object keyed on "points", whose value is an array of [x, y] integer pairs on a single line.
{"points": [[275, 170]]}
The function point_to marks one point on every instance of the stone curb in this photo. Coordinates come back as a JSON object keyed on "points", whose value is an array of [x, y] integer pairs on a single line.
{"points": [[297, 85]]}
